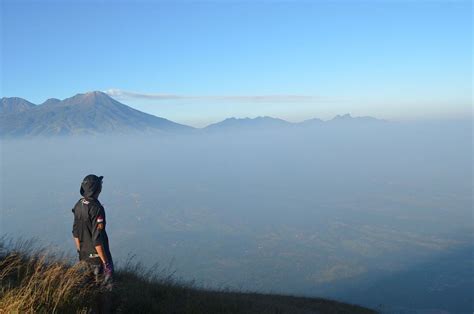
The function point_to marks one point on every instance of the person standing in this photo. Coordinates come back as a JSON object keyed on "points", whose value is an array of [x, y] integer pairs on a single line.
{"points": [[91, 240]]}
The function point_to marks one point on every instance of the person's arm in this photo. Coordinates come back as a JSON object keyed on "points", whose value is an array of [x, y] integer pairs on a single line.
{"points": [[75, 231], [78, 243], [97, 233], [101, 252]]}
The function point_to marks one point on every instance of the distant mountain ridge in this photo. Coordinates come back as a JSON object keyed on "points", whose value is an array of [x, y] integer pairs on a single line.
{"points": [[89, 113], [347, 117], [269, 123], [255, 123], [97, 113]]}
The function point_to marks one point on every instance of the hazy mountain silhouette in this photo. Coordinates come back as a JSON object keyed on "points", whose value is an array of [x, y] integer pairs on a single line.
{"points": [[347, 118], [97, 113], [314, 121], [265, 123], [10, 105], [89, 113], [247, 123]]}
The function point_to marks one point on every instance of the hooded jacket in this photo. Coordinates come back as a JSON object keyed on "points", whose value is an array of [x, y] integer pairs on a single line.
{"points": [[89, 220]]}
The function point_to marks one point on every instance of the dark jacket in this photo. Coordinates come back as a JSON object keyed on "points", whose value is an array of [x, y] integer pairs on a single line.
{"points": [[88, 215]]}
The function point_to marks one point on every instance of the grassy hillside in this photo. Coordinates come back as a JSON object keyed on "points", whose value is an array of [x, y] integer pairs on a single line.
{"points": [[35, 281]]}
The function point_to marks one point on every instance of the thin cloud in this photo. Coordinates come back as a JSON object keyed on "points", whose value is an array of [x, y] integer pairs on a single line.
{"points": [[121, 94]]}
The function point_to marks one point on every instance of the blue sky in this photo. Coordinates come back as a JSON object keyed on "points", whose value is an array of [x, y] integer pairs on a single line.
{"points": [[199, 62]]}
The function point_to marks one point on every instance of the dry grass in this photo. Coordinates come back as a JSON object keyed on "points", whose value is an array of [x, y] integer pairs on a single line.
{"points": [[41, 283], [35, 281]]}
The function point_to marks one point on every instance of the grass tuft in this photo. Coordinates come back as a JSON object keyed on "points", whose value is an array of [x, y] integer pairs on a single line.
{"points": [[34, 280]]}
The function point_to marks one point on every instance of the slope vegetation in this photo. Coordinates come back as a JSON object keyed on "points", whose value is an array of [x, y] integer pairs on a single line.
{"points": [[40, 282]]}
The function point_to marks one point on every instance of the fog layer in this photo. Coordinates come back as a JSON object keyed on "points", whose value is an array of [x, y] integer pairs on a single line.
{"points": [[313, 210]]}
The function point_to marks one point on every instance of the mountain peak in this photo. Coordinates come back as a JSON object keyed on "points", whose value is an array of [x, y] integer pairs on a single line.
{"points": [[96, 93], [260, 122], [14, 105], [87, 113], [346, 116], [349, 118], [51, 101], [93, 98]]}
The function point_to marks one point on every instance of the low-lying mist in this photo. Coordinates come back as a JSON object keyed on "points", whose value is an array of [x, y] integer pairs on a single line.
{"points": [[312, 210]]}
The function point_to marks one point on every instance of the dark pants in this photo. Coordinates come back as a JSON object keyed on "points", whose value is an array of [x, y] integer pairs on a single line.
{"points": [[103, 302]]}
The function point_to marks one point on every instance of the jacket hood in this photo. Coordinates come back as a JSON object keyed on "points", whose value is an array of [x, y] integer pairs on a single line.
{"points": [[91, 185]]}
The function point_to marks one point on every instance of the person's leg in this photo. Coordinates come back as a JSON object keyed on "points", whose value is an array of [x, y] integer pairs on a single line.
{"points": [[99, 274], [104, 284], [106, 293], [95, 274]]}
